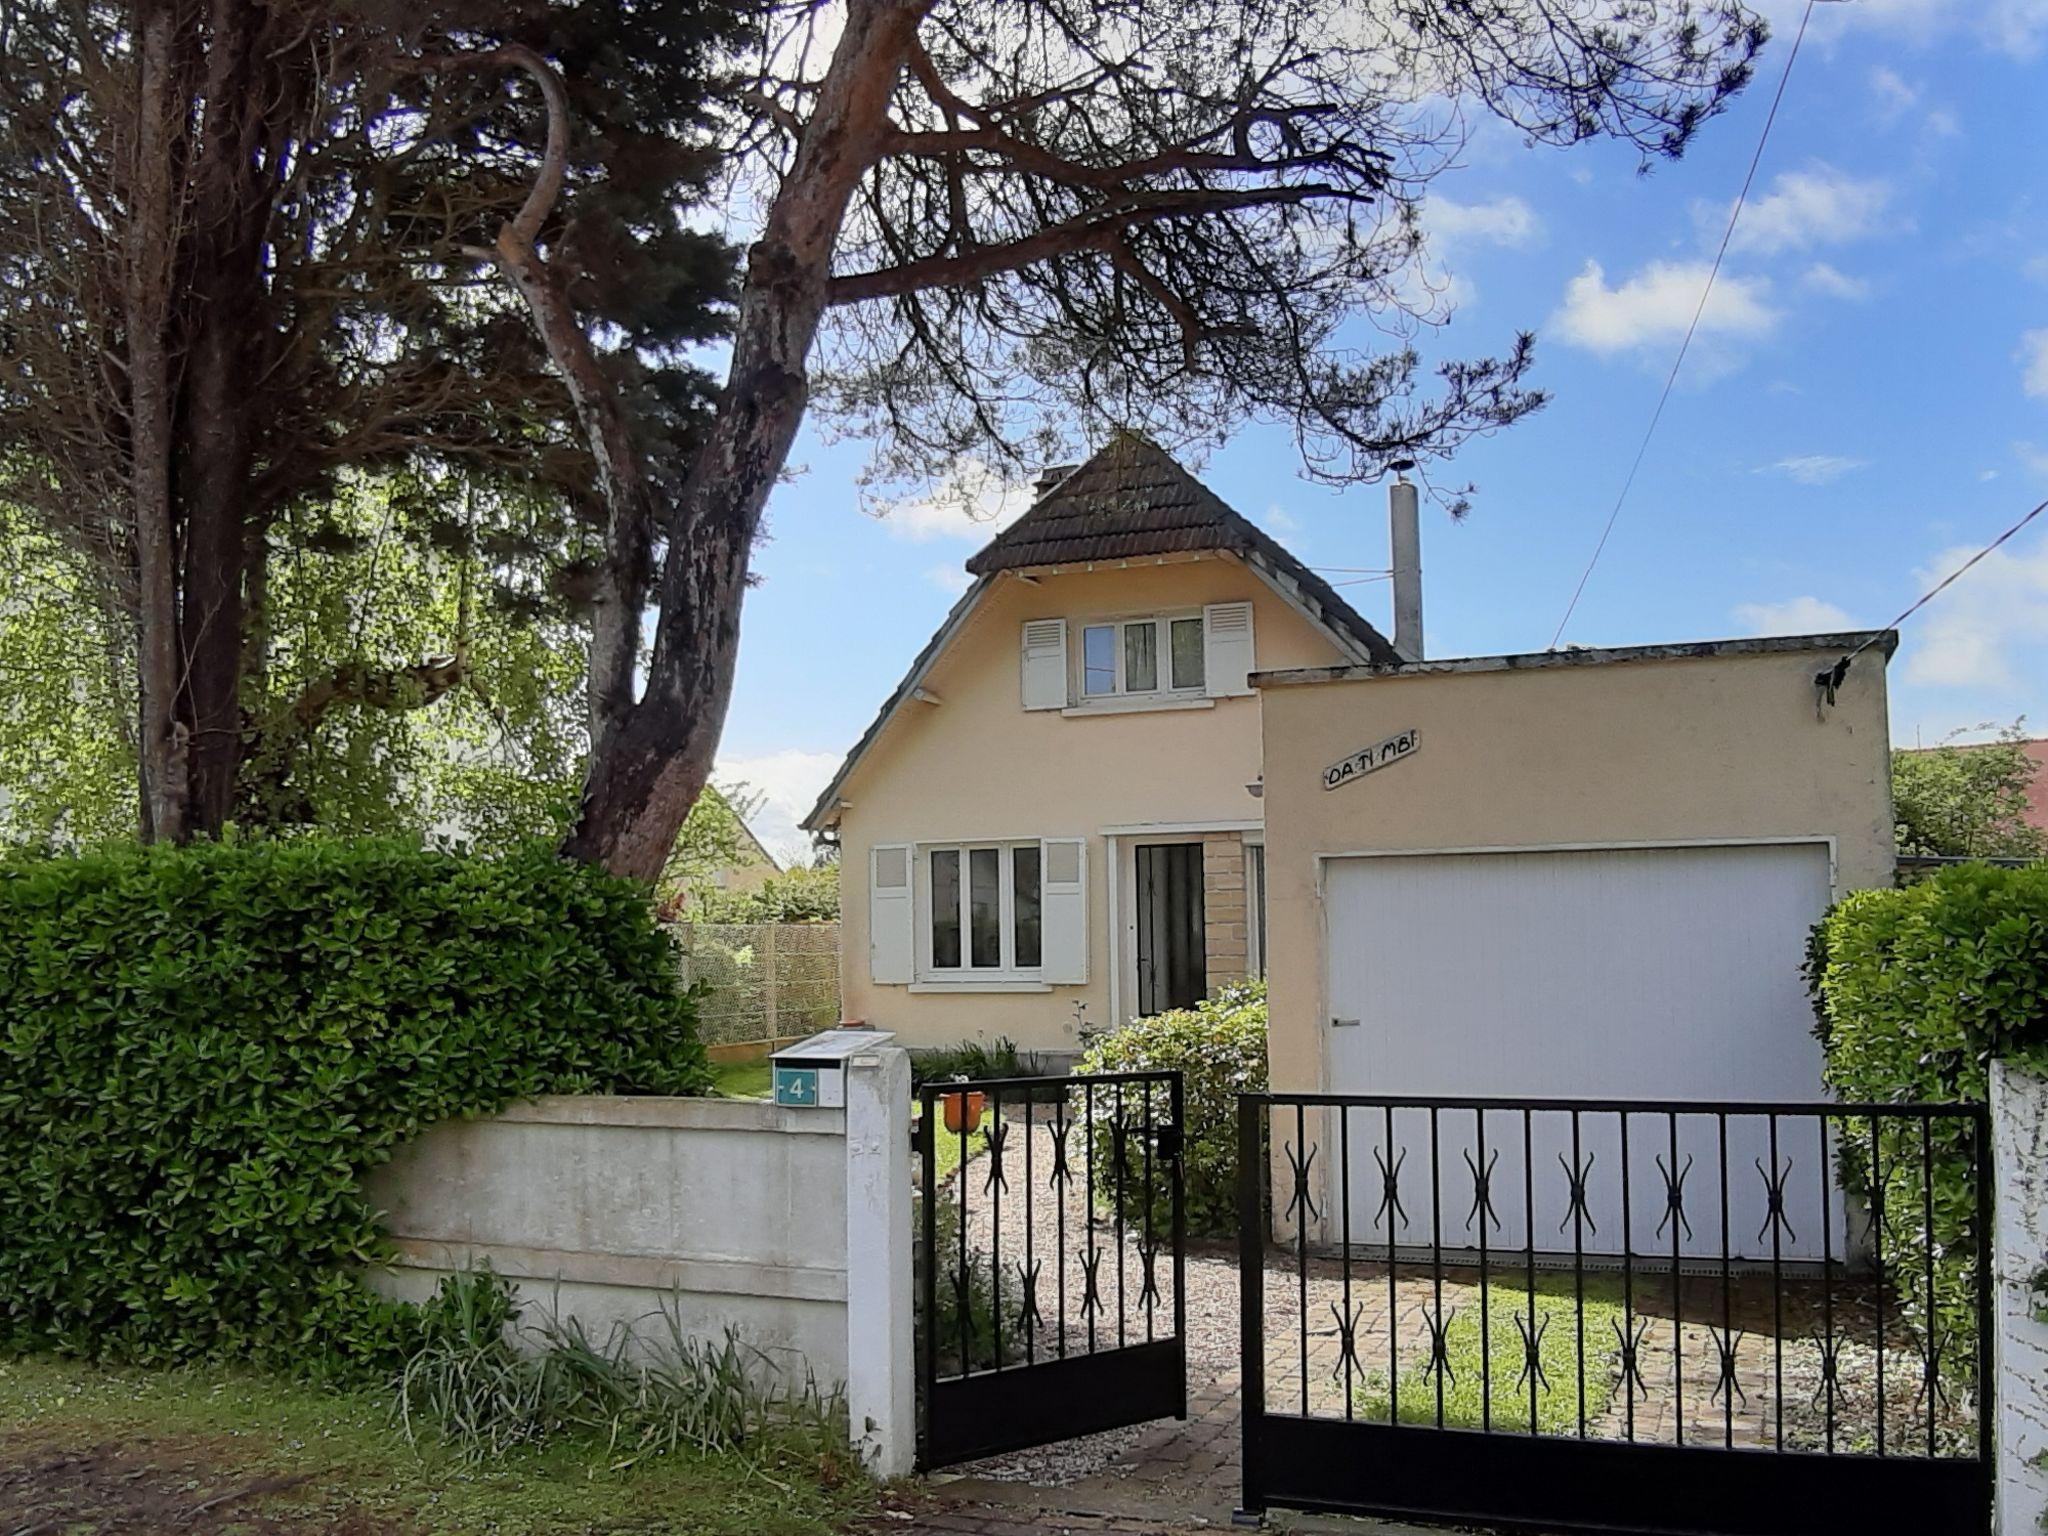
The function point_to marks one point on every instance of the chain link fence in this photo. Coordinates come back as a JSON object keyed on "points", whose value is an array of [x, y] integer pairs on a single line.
{"points": [[768, 981]]}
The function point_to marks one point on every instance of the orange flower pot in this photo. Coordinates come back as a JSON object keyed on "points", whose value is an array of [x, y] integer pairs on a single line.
{"points": [[963, 1111]]}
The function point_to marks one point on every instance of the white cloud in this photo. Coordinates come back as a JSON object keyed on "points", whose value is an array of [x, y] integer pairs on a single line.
{"points": [[1816, 468], [1987, 474], [2036, 268], [974, 502], [1968, 635], [2013, 27], [1817, 206], [1279, 520], [1894, 95], [1824, 279], [2034, 361], [1504, 221], [949, 578], [1657, 304], [1794, 616], [2033, 458], [791, 780]]}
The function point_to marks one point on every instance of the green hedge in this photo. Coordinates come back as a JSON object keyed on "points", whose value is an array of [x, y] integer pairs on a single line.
{"points": [[202, 1050], [1219, 1047], [1916, 990]]}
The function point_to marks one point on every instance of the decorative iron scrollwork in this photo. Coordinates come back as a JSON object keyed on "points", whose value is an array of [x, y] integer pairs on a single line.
{"points": [[1302, 1199], [1674, 1195], [1575, 1181], [1830, 1384], [1390, 1188], [1347, 1318], [1091, 1283], [1062, 1170], [1439, 1328], [1482, 1192], [1631, 1342], [1148, 1287], [1028, 1317], [1532, 1352], [998, 1137], [1774, 1202], [1930, 1372], [1726, 1345]]}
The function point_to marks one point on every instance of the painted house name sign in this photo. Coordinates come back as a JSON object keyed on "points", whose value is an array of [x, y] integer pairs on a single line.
{"points": [[1371, 759]]}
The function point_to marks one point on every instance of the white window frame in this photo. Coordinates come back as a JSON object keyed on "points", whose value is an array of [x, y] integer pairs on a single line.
{"points": [[1162, 644], [967, 974]]}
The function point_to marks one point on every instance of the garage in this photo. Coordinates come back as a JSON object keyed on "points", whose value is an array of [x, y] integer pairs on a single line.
{"points": [[1616, 973], [1574, 878]]}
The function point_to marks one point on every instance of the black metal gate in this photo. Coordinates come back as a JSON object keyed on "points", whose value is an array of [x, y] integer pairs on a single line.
{"points": [[1736, 1319], [1050, 1286]]}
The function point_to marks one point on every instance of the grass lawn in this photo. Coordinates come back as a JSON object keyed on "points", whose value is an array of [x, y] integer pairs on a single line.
{"points": [[217, 1451], [1557, 1393], [743, 1079]]}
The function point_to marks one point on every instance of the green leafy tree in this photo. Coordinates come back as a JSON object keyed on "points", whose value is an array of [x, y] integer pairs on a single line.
{"points": [[246, 267], [1971, 802], [347, 739], [806, 894]]}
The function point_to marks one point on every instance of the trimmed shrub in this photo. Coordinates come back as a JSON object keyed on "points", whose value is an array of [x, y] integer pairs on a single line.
{"points": [[1916, 989], [203, 1049], [1219, 1048]]}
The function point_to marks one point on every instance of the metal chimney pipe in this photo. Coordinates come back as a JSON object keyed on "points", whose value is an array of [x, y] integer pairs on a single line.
{"points": [[1404, 511]]}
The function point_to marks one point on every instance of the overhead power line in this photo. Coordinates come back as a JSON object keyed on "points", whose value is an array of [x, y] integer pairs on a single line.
{"points": [[1945, 583], [1727, 235]]}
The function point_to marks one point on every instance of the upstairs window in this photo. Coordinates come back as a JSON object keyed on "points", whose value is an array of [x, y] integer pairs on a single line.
{"points": [[1143, 656], [1162, 660]]}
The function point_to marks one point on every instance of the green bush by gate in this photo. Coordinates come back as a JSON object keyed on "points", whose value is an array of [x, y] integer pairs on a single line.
{"points": [[1916, 990], [201, 1050]]}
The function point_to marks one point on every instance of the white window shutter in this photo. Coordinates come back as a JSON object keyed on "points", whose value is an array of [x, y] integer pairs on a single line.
{"points": [[891, 920], [1227, 640], [1063, 909], [1045, 663]]}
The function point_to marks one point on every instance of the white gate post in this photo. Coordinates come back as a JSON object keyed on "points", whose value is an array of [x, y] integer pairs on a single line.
{"points": [[881, 1394], [2019, 1140]]}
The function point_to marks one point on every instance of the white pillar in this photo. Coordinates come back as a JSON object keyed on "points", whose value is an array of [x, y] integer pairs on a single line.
{"points": [[2019, 1140], [881, 1361]]}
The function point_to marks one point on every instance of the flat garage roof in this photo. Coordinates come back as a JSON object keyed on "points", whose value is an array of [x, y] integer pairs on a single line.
{"points": [[1885, 641]]}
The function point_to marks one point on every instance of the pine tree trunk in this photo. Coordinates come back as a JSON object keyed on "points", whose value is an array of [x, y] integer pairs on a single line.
{"points": [[150, 251], [643, 779]]}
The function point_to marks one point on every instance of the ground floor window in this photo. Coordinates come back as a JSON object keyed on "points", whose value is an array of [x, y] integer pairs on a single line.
{"points": [[983, 909]]}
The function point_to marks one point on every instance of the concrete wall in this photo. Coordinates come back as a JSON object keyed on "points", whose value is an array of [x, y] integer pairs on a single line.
{"points": [[790, 1226], [1688, 747], [2019, 1143], [978, 765]]}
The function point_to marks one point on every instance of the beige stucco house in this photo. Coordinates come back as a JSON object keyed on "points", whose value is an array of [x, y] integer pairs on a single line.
{"points": [[1055, 821], [1149, 752]]}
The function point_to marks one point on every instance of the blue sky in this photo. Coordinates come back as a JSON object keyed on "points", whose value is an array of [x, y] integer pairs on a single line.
{"points": [[1865, 405]]}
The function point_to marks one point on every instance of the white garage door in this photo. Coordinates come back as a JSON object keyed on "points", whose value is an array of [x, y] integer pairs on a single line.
{"points": [[1642, 974]]}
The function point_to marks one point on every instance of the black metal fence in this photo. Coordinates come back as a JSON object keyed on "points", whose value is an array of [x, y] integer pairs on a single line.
{"points": [[1050, 1289], [1710, 1317]]}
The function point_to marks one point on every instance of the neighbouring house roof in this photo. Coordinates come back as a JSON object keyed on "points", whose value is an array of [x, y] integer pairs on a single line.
{"points": [[1131, 500], [2036, 749]]}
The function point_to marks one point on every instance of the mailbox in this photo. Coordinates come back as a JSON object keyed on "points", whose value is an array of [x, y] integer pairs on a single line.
{"points": [[812, 1073]]}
